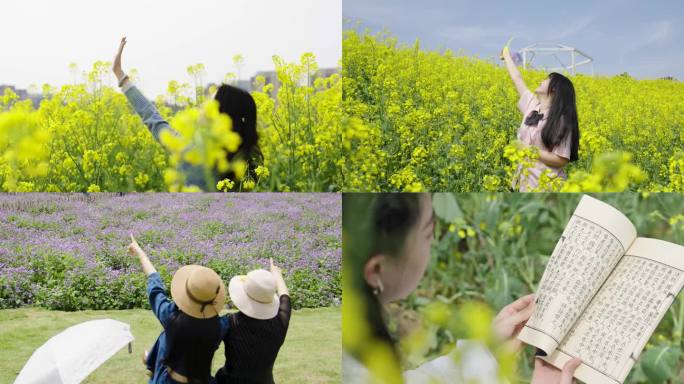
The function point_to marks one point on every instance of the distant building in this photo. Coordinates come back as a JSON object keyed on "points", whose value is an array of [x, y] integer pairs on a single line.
{"points": [[244, 85], [36, 99], [271, 77], [22, 93], [327, 72]]}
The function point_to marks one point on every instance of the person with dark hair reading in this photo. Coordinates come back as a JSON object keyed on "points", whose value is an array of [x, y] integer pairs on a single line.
{"points": [[388, 251]]}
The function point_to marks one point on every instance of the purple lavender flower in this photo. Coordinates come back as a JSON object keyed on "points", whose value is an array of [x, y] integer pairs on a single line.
{"points": [[68, 251]]}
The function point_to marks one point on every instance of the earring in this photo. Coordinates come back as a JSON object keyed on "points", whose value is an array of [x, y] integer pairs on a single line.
{"points": [[378, 288]]}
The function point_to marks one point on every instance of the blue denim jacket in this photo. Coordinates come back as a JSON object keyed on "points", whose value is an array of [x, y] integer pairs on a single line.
{"points": [[194, 175], [164, 309]]}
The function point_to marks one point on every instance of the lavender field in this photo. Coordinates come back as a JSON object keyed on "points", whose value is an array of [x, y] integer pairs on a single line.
{"points": [[68, 251]]}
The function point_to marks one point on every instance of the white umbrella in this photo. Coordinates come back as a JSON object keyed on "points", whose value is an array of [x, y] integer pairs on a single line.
{"points": [[70, 356]]}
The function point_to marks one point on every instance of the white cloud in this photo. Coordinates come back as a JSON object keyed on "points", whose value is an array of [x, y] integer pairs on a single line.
{"points": [[661, 32], [574, 27], [650, 36]]}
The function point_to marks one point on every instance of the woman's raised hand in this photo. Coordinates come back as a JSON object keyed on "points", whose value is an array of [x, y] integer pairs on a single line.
{"points": [[505, 52], [281, 288], [134, 248], [116, 67], [275, 270]]}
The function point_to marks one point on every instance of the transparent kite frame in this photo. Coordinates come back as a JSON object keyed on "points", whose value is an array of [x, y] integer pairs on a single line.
{"points": [[577, 57]]}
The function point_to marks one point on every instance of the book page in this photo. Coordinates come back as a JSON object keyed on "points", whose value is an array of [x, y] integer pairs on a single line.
{"points": [[594, 240], [612, 332]]}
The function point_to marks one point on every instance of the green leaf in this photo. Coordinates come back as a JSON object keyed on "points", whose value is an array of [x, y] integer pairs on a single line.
{"points": [[659, 363], [446, 207]]}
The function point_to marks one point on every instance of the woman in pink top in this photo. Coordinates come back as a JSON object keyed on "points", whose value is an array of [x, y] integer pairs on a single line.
{"points": [[549, 123]]}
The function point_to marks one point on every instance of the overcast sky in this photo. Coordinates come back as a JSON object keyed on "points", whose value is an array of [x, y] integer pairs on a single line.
{"points": [[42, 37], [643, 38]]}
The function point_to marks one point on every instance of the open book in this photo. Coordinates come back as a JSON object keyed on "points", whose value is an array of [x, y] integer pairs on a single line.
{"points": [[603, 293]]}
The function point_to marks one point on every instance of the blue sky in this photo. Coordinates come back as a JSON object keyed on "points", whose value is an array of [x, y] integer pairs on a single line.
{"points": [[643, 38]]}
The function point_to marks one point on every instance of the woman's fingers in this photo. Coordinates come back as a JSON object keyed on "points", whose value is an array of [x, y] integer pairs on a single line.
{"points": [[508, 324], [522, 315], [522, 302], [120, 51], [509, 320], [133, 247], [116, 65], [516, 306], [505, 52], [569, 370]]}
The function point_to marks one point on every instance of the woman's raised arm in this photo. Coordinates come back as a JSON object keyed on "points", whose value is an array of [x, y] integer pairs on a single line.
{"points": [[143, 107], [513, 71], [281, 288], [116, 67]]}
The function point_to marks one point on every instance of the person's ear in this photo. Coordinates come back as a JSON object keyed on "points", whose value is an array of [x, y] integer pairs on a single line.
{"points": [[372, 271]]}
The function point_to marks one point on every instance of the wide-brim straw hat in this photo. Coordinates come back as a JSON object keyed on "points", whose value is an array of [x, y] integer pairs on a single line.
{"points": [[198, 291], [255, 294]]}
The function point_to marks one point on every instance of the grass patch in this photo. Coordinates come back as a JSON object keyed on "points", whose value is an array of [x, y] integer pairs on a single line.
{"points": [[312, 352]]}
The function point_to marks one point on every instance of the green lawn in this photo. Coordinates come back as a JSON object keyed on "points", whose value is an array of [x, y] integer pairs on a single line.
{"points": [[312, 352]]}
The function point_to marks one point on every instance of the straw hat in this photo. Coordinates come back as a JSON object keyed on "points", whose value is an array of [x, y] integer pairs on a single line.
{"points": [[255, 294], [198, 291]]}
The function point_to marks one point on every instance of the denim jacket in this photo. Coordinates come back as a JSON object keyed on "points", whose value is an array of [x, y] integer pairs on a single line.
{"points": [[194, 175], [164, 309]]}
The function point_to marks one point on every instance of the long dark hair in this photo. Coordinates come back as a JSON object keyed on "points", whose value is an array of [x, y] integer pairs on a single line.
{"points": [[375, 224], [562, 117], [192, 343], [240, 106]]}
